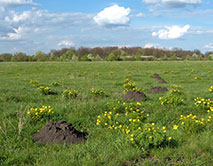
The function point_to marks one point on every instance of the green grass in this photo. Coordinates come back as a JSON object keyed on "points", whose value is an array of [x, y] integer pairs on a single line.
{"points": [[104, 146]]}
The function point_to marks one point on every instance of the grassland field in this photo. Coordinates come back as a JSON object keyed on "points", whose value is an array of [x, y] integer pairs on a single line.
{"points": [[103, 146]]}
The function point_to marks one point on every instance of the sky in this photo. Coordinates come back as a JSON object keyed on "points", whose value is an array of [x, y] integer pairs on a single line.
{"points": [[32, 25]]}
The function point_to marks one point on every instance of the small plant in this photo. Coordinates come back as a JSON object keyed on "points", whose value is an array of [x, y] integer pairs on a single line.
{"points": [[176, 86], [149, 136], [129, 86], [45, 90], [45, 112], [203, 103], [211, 89], [197, 78], [34, 82], [68, 94], [97, 92], [191, 123], [171, 99], [176, 91], [56, 83]]}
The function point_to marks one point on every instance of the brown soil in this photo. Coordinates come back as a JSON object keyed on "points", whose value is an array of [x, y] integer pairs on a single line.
{"points": [[158, 90], [134, 95], [59, 132], [160, 80]]}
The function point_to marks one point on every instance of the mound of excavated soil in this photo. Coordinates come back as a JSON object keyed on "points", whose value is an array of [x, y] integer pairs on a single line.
{"points": [[134, 95], [59, 132], [158, 90], [160, 80]]}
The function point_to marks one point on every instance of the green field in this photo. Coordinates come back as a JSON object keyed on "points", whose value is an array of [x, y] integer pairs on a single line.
{"points": [[192, 145]]}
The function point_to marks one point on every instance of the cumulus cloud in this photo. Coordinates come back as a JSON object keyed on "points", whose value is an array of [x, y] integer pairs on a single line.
{"points": [[66, 43], [113, 16], [209, 46], [171, 32], [15, 3], [151, 45], [173, 3], [17, 34]]}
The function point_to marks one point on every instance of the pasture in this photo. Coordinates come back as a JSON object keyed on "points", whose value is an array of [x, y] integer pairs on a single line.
{"points": [[163, 129]]}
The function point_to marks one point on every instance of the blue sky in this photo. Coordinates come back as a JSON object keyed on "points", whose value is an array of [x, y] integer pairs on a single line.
{"points": [[32, 25]]}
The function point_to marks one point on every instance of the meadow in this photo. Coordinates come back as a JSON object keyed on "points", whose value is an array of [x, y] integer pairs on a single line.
{"points": [[171, 128]]}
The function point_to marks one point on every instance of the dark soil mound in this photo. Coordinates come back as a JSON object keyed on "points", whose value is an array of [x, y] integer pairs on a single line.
{"points": [[134, 95], [59, 132], [158, 90], [160, 80]]}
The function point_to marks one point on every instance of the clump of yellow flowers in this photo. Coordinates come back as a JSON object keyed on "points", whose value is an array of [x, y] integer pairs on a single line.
{"points": [[129, 86], [211, 89], [40, 113], [45, 90], [204, 103], [192, 123], [68, 94], [56, 83], [97, 92], [129, 119]]}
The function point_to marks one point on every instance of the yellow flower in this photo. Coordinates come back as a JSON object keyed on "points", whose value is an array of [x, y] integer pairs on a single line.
{"points": [[169, 138], [182, 123], [147, 115], [109, 117], [132, 135], [150, 137], [163, 127], [106, 124], [148, 129], [131, 139], [153, 124], [175, 127]]}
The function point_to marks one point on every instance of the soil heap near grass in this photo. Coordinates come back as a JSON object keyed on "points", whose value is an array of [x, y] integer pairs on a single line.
{"points": [[160, 80], [134, 95], [158, 90], [59, 132]]}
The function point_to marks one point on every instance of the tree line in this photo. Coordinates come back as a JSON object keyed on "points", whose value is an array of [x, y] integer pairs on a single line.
{"points": [[109, 54]]}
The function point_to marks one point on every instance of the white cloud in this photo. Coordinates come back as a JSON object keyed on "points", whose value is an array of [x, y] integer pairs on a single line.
{"points": [[17, 34], [140, 15], [66, 43], [15, 3], [171, 32], [172, 3], [150, 1], [209, 46], [151, 45], [113, 16]]}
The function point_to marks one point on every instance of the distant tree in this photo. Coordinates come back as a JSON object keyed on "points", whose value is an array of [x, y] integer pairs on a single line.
{"points": [[19, 57], [5, 57], [67, 56], [113, 57], [40, 56]]}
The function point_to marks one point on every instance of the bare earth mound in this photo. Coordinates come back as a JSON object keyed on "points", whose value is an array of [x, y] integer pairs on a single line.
{"points": [[158, 90], [59, 132], [160, 80], [134, 95]]}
